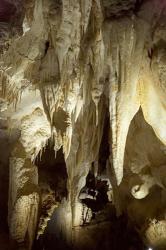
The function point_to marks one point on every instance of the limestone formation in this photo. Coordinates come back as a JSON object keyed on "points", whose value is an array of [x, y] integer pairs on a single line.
{"points": [[67, 66]]}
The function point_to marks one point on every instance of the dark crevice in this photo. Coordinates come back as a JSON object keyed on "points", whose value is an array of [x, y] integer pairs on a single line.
{"points": [[52, 171], [150, 53], [47, 45], [53, 189], [104, 150], [137, 6]]}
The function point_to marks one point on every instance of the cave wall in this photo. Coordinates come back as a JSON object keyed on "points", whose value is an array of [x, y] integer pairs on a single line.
{"points": [[143, 186]]}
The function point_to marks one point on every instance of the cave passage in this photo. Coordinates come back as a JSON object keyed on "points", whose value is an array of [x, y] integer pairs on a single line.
{"points": [[52, 171], [111, 232], [53, 189]]}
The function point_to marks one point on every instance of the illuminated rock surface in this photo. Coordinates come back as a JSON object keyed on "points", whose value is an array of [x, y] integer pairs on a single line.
{"points": [[83, 90]]}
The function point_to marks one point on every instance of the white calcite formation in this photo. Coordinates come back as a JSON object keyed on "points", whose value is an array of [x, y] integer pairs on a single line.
{"points": [[74, 61]]}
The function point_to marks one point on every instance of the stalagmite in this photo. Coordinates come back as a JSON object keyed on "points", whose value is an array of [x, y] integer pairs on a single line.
{"points": [[23, 197]]}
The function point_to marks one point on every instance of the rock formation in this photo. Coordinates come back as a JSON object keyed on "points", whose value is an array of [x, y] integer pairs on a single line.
{"points": [[85, 80]]}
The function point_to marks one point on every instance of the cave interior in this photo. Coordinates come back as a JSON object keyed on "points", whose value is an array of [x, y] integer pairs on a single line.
{"points": [[83, 124]]}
